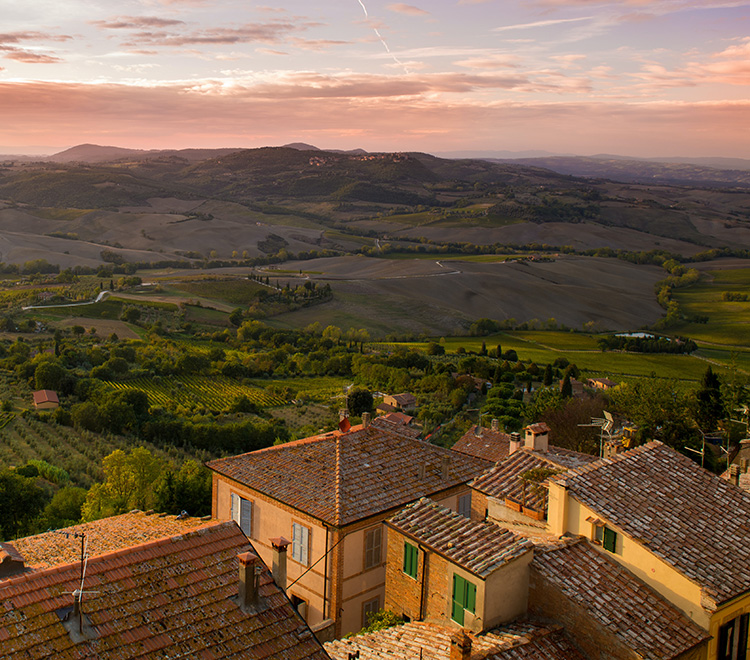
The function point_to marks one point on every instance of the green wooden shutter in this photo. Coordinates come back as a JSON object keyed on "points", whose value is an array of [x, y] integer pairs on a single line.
{"points": [[459, 592], [410, 560], [610, 539], [471, 597]]}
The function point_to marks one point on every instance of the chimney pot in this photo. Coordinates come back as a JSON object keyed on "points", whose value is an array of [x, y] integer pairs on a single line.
{"points": [[278, 567], [249, 579], [515, 443], [366, 418], [460, 646], [422, 471], [495, 425], [445, 465], [734, 474]]}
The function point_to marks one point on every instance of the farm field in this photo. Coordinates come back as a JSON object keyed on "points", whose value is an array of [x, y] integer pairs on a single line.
{"points": [[214, 393], [78, 452]]}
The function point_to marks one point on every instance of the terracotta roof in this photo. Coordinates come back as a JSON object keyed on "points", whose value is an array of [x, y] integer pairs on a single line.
{"points": [[341, 478], [641, 619], [399, 418], [491, 446], [45, 396], [405, 399], [683, 514], [102, 536], [171, 598], [519, 641], [479, 547], [504, 480], [539, 427], [387, 424]]}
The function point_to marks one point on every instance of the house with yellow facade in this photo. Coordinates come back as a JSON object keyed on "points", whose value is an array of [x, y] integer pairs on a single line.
{"points": [[327, 497]]}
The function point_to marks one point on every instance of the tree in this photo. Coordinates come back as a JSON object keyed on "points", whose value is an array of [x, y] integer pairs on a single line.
{"points": [[48, 375], [131, 315], [566, 389], [359, 400], [548, 376], [709, 406], [188, 489], [65, 508], [129, 482], [21, 501]]}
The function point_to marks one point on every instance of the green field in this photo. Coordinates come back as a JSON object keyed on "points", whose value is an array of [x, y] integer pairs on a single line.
{"points": [[238, 292], [582, 350], [215, 393]]}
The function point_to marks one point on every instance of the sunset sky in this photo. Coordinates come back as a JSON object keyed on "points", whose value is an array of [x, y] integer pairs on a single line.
{"points": [[633, 77]]}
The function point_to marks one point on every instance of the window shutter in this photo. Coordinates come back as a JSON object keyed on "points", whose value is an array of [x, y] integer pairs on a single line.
{"points": [[610, 539], [304, 545], [464, 505], [235, 508], [246, 516], [457, 613], [471, 597]]}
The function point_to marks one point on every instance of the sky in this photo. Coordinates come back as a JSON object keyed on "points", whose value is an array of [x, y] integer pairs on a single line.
{"points": [[643, 78]]}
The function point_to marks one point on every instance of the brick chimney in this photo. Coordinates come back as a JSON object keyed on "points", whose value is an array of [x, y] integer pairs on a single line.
{"points": [[515, 442], [445, 464], [366, 418], [537, 437], [11, 561], [460, 646], [495, 425], [278, 568], [734, 474], [250, 570]]}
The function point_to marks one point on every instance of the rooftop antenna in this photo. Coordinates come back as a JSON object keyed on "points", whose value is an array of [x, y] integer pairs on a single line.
{"points": [[605, 425], [78, 593]]}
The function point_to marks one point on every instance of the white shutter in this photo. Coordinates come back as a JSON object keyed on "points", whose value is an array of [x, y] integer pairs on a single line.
{"points": [[235, 508], [296, 541], [305, 545], [246, 517]]}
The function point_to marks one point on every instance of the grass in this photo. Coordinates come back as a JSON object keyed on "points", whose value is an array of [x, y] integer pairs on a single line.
{"points": [[239, 292], [450, 256]]}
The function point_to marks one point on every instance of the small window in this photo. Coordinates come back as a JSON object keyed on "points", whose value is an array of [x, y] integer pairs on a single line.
{"points": [[609, 539], [369, 609], [464, 505], [242, 514], [300, 543], [464, 598], [410, 560], [299, 604], [733, 639], [373, 544]]}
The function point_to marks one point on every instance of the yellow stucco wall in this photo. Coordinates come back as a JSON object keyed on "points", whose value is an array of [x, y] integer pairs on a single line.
{"points": [[567, 514], [725, 614]]}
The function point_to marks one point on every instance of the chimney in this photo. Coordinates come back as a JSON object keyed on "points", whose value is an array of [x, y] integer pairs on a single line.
{"points": [[249, 580], [366, 417], [734, 474], [515, 442], [422, 470], [460, 646], [495, 425], [445, 464], [11, 561], [743, 465], [278, 568], [537, 438]]}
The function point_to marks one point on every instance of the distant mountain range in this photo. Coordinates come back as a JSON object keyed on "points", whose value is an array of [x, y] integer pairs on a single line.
{"points": [[700, 171]]}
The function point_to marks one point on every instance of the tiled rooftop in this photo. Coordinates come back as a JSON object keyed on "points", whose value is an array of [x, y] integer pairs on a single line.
{"points": [[682, 513], [489, 445], [415, 640], [643, 621], [504, 480], [479, 547], [171, 598], [341, 478], [396, 425], [102, 536]]}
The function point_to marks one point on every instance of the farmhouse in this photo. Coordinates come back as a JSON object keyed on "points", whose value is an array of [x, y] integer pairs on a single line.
{"points": [[330, 495], [46, 400], [601, 383], [403, 401], [201, 592]]}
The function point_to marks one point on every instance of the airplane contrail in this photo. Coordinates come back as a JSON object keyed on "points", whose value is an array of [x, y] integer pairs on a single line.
{"points": [[382, 41]]}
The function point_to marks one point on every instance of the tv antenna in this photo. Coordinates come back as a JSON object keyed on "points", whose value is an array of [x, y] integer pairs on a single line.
{"points": [[605, 425], [78, 593]]}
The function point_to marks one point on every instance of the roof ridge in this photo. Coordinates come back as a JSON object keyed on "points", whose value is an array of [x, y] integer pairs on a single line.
{"points": [[337, 484]]}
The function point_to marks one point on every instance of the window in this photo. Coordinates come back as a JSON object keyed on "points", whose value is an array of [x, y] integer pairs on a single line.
{"points": [[733, 639], [373, 544], [369, 609], [464, 505], [300, 543], [609, 539], [410, 560], [464, 598], [605, 536], [242, 514], [299, 604]]}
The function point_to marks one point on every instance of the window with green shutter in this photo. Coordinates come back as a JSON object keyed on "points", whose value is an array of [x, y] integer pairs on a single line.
{"points": [[609, 539], [464, 598], [410, 560]]}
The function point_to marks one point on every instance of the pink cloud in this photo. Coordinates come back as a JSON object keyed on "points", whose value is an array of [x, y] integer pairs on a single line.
{"points": [[29, 57], [136, 23], [409, 10]]}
